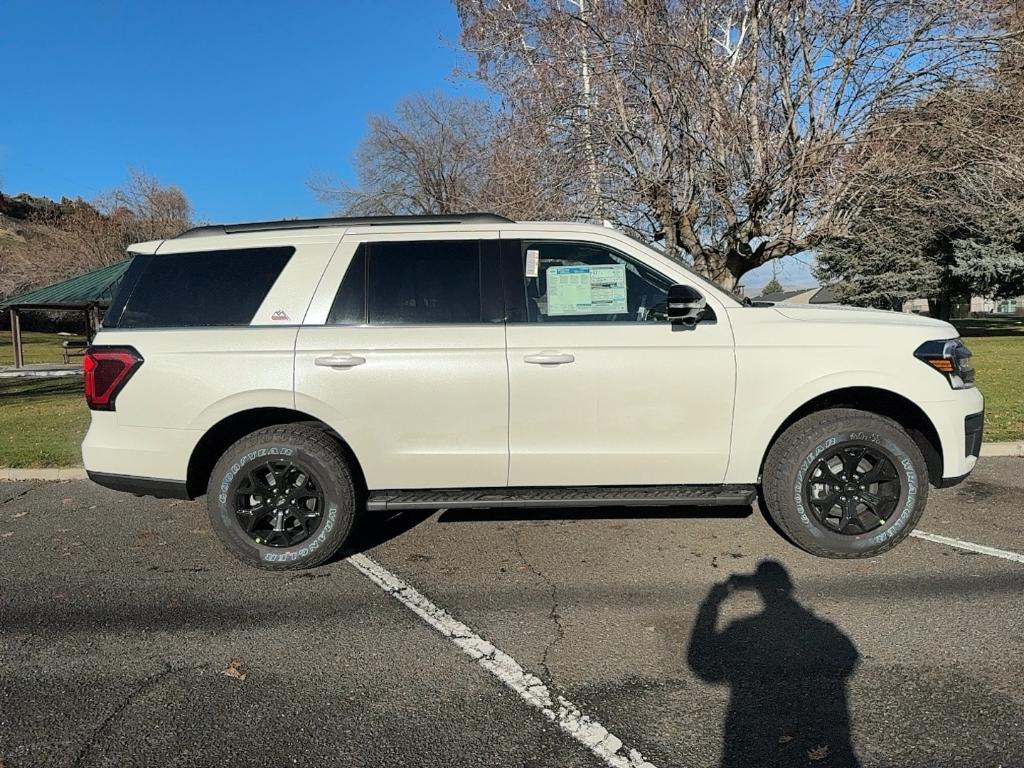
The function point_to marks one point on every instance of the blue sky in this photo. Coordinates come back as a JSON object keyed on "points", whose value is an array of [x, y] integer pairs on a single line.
{"points": [[238, 103]]}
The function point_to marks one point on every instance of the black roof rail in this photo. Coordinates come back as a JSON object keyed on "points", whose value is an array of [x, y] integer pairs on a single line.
{"points": [[344, 221]]}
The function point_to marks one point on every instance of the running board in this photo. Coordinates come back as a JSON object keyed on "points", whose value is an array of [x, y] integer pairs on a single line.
{"points": [[587, 496]]}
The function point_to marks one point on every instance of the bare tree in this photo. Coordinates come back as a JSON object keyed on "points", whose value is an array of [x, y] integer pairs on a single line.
{"points": [[431, 157], [717, 128], [441, 154], [148, 209], [48, 241], [934, 196]]}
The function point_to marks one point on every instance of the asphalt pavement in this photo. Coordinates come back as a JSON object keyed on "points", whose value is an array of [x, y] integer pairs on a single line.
{"points": [[129, 637]]}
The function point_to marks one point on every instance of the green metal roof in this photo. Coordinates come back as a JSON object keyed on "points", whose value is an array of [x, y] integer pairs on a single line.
{"points": [[96, 287]]}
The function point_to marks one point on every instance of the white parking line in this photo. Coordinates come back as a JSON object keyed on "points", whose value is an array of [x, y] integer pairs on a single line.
{"points": [[529, 687], [981, 549]]}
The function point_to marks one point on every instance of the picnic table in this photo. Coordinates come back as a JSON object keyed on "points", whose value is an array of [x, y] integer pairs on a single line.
{"points": [[72, 347]]}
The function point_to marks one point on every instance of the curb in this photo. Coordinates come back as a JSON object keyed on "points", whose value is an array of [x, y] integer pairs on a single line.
{"points": [[1014, 448], [51, 473], [78, 473]]}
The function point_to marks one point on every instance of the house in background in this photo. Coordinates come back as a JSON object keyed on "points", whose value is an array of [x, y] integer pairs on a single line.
{"points": [[978, 305], [820, 295], [1012, 306]]}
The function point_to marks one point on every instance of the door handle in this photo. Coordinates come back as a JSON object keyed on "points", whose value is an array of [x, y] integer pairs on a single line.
{"points": [[550, 358], [340, 360]]}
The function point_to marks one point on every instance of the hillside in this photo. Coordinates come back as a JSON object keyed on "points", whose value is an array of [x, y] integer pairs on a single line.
{"points": [[42, 240]]}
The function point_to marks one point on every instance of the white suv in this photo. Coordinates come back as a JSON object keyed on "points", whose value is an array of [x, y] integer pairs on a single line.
{"points": [[300, 373]]}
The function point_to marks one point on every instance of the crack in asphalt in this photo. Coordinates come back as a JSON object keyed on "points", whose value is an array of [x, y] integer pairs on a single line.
{"points": [[145, 684], [553, 613], [21, 495]]}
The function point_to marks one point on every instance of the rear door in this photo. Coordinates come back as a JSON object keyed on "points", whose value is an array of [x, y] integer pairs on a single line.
{"points": [[403, 354]]}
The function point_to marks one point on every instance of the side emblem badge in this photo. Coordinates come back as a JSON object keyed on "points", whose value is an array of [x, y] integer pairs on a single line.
{"points": [[280, 315]]}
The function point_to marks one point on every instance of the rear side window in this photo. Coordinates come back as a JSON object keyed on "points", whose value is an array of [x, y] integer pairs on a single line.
{"points": [[205, 288], [424, 282]]}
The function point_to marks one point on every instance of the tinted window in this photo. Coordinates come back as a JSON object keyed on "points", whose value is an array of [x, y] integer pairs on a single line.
{"points": [[431, 281], [207, 288], [584, 282], [349, 306]]}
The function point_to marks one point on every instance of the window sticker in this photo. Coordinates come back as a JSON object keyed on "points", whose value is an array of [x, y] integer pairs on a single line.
{"points": [[586, 290], [532, 262]]}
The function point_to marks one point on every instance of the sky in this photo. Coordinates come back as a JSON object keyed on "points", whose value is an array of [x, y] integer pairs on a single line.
{"points": [[239, 104]]}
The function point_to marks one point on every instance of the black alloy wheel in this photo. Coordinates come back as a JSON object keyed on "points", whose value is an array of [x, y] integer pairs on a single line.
{"points": [[853, 488], [279, 503]]}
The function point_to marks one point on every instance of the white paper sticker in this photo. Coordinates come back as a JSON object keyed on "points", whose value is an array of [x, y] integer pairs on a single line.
{"points": [[586, 290], [532, 263]]}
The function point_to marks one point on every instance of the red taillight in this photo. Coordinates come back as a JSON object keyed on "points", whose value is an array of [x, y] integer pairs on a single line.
{"points": [[106, 371]]}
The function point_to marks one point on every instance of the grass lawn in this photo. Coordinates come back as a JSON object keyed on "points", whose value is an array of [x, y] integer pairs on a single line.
{"points": [[39, 348], [998, 347], [43, 421]]}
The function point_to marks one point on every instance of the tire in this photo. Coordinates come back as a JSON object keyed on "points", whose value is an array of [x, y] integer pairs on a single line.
{"points": [[823, 507], [293, 472]]}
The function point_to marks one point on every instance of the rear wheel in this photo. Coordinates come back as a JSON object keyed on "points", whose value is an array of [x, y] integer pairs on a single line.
{"points": [[845, 483], [283, 498]]}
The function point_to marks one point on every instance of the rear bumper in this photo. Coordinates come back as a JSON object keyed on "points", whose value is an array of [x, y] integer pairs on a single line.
{"points": [[114, 450], [141, 486]]}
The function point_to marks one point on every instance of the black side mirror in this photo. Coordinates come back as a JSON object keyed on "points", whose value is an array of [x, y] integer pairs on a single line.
{"points": [[685, 304]]}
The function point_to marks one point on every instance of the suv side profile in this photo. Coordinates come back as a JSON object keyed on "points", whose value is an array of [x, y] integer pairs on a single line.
{"points": [[304, 373]]}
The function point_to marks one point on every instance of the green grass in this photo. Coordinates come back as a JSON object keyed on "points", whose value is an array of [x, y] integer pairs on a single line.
{"points": [[42, 422], [39, 347], [998, 347]]}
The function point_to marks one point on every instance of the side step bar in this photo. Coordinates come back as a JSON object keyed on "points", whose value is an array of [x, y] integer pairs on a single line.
{"points": [[588, 496]]}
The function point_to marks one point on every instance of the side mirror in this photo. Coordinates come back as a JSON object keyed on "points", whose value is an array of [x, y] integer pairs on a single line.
{"points": [[685, 304]]}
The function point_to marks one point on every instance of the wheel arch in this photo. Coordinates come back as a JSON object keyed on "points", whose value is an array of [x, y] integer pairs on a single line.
{"points": [[222, 434], [882, 402]]}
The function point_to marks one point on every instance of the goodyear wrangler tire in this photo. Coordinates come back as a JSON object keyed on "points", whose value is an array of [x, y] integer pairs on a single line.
{"points": [[283, 498], [844, 483]]}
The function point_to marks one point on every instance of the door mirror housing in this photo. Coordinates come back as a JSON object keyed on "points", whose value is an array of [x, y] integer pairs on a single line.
{"points": [[685, 304]]}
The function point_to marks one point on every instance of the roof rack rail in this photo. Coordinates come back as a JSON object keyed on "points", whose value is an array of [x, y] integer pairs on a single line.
{"points": [[343, 221]]}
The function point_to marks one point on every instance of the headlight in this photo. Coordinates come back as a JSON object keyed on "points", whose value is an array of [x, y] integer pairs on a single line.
{"points": [[951, 358]]}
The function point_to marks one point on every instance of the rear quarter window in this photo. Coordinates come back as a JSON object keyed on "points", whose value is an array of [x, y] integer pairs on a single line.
{"points": [[203, 288]]}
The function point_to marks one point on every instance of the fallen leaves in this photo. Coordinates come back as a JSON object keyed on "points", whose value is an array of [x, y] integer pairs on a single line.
{"points": [[818, 753], [234, 671]]}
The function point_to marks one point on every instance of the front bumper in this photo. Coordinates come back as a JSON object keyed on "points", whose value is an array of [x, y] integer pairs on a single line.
{"points": [[974, 428], [960, 425]]}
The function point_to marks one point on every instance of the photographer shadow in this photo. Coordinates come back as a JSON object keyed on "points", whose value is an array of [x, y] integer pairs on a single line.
{"points": [[787, 671]]}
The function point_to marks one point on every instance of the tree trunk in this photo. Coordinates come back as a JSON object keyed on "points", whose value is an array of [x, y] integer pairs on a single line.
{"points": [[940, 307]]}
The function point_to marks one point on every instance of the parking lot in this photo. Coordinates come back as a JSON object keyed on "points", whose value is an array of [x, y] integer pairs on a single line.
{"points": [[128, 637]]}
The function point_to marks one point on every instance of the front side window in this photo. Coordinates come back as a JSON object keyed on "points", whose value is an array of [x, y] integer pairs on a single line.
{"points": [[586, 282]]}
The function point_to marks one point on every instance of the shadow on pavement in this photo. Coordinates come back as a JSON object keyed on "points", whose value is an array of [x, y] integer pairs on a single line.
{"points": [[375, 529], [786, 670], [591, 513]]}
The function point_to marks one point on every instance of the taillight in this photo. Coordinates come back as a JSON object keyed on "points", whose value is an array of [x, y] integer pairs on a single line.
{"points": [[106, 371]]}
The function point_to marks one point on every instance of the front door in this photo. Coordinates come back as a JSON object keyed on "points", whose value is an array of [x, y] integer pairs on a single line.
{"points": [[603, 390]]}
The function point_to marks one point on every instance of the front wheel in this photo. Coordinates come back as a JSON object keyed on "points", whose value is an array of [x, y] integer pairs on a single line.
{"points": [[844, 483], [283, 498]]}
